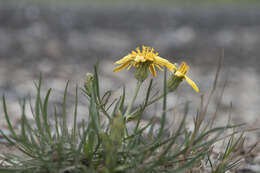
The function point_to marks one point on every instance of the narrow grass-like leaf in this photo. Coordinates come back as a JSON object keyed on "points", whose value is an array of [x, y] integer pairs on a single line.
{"points": [[140, 131], [200, 137], [57, 133], [96, 81], [228, 147], [105, 98], [121, 106], [64, 111], [75, 116], [188, 164], [234, 164], [14, 142], [45, 114], [115, 110], [210, 162], [96, 95], [23, 123], [208, 142], [37, 107], [113, 102], [93, 112], [83, 139], [10, 127]]}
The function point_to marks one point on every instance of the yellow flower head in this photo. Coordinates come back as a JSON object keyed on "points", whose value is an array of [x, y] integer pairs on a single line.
{"points": [[181, 72], [145, 58]]}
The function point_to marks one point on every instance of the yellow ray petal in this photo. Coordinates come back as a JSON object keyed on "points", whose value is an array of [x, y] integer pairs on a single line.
{"points": [[125, 59], [160, 60], [171, 67], [158, 66], [163, 62], [121, 67], [152, 70], [129, 66], [183, 68], [191, 83]]}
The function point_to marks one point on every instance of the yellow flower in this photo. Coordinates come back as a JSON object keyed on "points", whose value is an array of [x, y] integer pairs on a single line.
{"points": [[146, 58], [181, 72]]}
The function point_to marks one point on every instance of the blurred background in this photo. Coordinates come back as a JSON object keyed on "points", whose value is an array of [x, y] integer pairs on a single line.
{"points": [[62, 40]]}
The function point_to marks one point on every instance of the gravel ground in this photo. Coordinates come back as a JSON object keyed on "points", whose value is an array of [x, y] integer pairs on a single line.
{"points": [[63, 43]]}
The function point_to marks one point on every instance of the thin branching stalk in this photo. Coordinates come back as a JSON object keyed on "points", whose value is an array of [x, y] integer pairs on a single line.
{"points": [[137, 88]]}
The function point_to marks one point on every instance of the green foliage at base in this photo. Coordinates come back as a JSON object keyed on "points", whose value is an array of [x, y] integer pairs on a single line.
{"points": [[106, 144]]}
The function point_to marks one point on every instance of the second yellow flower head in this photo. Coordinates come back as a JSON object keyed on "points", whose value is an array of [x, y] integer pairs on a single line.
{"points": [[181, 73]]}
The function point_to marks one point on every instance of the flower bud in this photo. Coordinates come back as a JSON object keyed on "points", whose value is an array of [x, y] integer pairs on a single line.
{"points": [[178, 76], [173, 82], [89, 83]]}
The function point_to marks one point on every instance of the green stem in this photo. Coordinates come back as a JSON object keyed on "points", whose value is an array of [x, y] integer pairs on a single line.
{"points": [[149, 103], [155, 100], [137, 88]]}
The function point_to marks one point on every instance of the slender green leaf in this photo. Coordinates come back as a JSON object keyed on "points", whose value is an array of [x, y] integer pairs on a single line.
{"points": [[10, 127], [75, 115], [121, 106], [45, 114]]}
